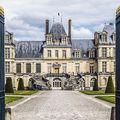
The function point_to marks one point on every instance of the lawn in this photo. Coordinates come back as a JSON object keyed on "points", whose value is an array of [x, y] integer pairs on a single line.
{"points": [[9, 99], [110, 99], [23, 92], [90, 92]]}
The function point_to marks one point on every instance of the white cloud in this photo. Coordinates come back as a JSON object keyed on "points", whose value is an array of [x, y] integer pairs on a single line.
{"points": [[25, 18], [82, 33]]}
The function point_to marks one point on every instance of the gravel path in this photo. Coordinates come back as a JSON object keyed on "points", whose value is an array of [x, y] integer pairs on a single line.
{"points": [[61, 105]]}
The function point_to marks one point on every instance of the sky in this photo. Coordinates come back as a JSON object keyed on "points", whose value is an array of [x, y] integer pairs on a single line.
{"points": [[26, 18]]}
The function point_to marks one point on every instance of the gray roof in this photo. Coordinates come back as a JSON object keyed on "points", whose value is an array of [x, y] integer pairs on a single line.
{"points": [[28, 49], [57, 30], [110, 29], [84, 45], [33, 49]]}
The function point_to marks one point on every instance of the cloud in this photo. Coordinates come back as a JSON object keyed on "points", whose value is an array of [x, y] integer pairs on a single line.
{"points": [[81, 33], [25, 18]]}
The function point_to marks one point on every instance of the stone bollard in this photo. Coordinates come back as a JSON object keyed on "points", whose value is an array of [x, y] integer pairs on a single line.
{"points": [[112, 113], [8, 114]]}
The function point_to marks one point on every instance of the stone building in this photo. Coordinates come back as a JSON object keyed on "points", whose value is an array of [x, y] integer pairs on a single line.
{"points": [[59, 54]]}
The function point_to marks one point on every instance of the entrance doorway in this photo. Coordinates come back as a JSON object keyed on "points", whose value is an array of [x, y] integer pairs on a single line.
{"points": [[57, 70], [57, 83]]}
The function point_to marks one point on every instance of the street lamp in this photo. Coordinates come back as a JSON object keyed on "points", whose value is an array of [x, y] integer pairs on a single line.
{"points": [[118, 64], [2, 76]]}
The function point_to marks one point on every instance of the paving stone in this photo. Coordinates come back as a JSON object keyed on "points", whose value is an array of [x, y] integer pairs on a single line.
{"points": [[61, 105]]}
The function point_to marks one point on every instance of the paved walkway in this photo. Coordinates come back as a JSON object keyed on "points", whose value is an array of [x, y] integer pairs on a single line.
{"points": [[61, 105]]}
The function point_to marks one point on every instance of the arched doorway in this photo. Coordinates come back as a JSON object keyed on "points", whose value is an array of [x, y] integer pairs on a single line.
{"points": [[57, 84], [92, 81]]}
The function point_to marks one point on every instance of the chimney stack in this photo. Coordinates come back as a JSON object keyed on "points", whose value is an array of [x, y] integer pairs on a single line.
{"points": [[47, 26], [69, 29]]}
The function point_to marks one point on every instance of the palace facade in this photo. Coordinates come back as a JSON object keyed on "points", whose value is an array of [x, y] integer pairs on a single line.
{"points": [[59, 54]]}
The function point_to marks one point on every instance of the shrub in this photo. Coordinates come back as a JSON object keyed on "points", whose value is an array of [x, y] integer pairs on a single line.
{"points": [[9, 86], [110, 86], [95, 87], [20, 84]]}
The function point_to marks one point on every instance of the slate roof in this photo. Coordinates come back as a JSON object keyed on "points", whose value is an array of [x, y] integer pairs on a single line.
{"points": [[33, 49], [110, 29], [84, 45], [57, 30], [28, 49]]}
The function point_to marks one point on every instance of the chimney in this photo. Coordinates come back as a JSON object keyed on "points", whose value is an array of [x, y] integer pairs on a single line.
{"points": [[69, 29], [47, 26]]}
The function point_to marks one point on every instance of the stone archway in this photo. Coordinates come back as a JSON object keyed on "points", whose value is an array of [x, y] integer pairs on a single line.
{"points": [[82, 84], [31, 84], [57, 83], [92, 81]]}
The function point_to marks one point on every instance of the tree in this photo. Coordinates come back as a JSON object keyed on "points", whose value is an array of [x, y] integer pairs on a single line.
{"points": [[95, 87], [110, 86], [20, 84], [9, 86]]}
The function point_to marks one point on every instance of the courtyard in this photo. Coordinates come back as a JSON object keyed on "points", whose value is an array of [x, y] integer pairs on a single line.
{"points": [[61, 105]]}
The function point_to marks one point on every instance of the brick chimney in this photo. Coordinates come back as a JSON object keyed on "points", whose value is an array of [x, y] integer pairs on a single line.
{"points": [[47, 26], [69, 29]]}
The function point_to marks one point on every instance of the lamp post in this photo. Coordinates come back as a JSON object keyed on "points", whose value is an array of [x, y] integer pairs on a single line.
{"points": [[2, 88], [118, 64]]}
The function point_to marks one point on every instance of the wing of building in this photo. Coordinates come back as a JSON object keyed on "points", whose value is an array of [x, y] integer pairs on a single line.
{"points": [[60, 54]]}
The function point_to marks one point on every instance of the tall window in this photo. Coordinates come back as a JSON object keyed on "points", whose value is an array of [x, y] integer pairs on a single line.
{"points": [[77, 67], [104, 66], [77, 54], [49, 67], [104, 52], [64, 53], [92, 54], [7, 53], [38, 67], [49, 53], [7, 67], [28, 68], [104, 37], [64, 68], [56, 53], [110, 52], [18, 68], [92, 68]]}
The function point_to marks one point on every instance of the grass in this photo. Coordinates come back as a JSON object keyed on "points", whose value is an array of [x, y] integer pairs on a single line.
{"points": [[23, 92], [9, 99], [100, 92], [110, 99]]}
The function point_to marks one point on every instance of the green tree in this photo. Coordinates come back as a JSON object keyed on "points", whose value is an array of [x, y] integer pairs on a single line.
{"points": [[9, 86], [95, 87], [21, 84], [110, 86]]}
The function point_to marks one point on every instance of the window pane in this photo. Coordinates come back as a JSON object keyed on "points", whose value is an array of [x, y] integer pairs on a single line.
{"points": [[38, 68], [18, 67], [28, 68]]}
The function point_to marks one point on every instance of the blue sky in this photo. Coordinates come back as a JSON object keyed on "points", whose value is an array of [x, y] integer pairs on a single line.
{"points": [[25, 18]]}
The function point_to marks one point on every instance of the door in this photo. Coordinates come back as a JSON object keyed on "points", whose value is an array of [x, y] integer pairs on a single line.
{"points": [[56, 84], [57, 70]]}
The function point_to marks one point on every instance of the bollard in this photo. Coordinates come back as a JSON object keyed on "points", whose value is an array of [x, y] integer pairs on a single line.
{"points": [[112, 113], [8, 114]]}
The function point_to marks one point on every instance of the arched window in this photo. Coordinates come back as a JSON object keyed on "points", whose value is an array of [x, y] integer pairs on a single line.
{"points": [[92, 82]]}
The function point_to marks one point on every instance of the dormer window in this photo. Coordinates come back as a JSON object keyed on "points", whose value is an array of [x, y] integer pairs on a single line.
{"points": [[77, 53], [92, 53], [104, 38]]}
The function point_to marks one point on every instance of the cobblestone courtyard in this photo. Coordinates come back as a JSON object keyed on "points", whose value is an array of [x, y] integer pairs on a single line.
{"points": [[61, 105]]}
